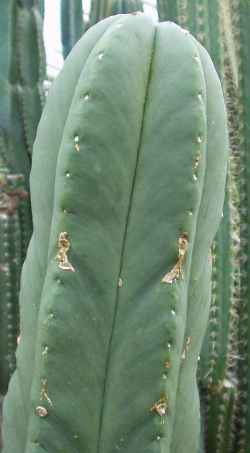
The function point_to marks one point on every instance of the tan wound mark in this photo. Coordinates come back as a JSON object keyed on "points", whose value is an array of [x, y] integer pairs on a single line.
{"points": [[160, 407], [62, 256], [44, 392], [177, 271]]}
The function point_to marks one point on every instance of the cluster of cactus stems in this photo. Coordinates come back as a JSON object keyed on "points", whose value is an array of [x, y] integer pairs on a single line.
{"points": [[223, 27], [22, 70], [120, 260], [73, 24]]}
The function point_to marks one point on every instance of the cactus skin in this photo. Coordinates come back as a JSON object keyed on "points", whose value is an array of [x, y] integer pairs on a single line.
{"points": [[124, 221], [126, 6], [240, 15], [22, 69], [11, 191], [105, 8], [42, 8], [72, 24], [210, 21]]}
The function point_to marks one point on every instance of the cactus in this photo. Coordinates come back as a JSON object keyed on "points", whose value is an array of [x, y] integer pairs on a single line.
{"points": [[210, 21], [240, 14], [42, 8], [126, 6], [11, 192], [100, 9], [191, 14], [22, 69], [72, 24], [120, 255]]}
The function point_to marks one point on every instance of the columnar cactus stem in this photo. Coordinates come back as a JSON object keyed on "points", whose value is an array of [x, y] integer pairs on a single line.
{"points": [[22, 70], [120, 256], [42, 8], [105, 8], [10, 252], [211, 22], [240, 11], [126, 6], [72, 24]]}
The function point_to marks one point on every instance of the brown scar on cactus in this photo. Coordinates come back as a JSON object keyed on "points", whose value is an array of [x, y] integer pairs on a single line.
{"points": [[221, 385], [177, 271], [62, 256], [167, 365], [44, 392], [160, 407]]}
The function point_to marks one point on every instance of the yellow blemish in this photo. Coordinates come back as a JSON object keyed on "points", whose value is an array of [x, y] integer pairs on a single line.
{"points": [[62, 256], [167, 365], [216, 388], [44, 392], [160, 407], [177, 271]]}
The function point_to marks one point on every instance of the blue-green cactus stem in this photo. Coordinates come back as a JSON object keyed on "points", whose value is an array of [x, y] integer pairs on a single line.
{"points": [[72, 24], [42, 8], [22, 71], [105, 8], [120, 255], [208, 21], [11, 192], [240, 18], [126, 6]]}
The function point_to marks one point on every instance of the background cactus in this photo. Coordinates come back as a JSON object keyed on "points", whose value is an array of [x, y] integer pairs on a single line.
{"points": [[212, 23], [73, 24], [126, 6], [42, 8], [240, 15], [22, 69], [105, 8], [120, 255]]}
